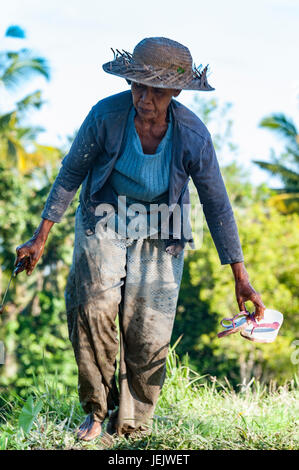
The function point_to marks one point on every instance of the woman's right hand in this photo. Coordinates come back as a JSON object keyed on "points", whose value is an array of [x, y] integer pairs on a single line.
{"points": [[30, 252], [28, 255]]}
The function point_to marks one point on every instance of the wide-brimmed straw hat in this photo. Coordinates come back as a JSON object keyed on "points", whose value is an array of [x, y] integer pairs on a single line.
{"points": [[159, 62]]}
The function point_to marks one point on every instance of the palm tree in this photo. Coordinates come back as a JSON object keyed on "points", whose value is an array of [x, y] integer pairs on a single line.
{"points": [[286, 166], [17, 67]]}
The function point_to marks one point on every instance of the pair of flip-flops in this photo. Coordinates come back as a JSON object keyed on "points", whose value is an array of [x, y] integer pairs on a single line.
{"points": [[263, 331]]}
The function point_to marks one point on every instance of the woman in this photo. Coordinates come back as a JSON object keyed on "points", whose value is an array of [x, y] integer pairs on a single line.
{"points": [[142, 145]]}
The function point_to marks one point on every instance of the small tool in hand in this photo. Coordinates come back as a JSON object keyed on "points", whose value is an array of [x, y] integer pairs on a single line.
{"points": [[20, 264]]}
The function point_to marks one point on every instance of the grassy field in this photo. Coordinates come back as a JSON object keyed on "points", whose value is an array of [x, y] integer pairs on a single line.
{"points": [[193, 412]]}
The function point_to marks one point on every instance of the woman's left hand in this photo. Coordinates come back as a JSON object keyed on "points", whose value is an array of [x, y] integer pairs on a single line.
{"points": [[245, 292]]}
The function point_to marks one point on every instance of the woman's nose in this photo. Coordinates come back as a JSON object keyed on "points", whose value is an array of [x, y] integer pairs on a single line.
{"points": [[146, 95]]}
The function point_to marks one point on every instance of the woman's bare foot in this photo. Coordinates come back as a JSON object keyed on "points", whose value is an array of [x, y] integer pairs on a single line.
{"points": [[89, 429]]}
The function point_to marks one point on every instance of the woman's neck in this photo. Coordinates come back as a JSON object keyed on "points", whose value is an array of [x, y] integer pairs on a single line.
{"points": [[143, 122], [150, 132]]}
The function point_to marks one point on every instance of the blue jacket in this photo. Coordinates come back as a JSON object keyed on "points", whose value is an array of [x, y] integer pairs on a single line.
{"points": [[99, 142]]}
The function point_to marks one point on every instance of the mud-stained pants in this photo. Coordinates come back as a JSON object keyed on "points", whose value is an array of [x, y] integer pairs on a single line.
{"points": [[140, 281]]}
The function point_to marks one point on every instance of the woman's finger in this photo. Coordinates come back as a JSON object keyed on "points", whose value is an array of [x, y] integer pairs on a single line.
{"points": [[33, 262], [259, 313], [241, 304], [20, 256], [22, 264], [30, 266], [259, 307]]}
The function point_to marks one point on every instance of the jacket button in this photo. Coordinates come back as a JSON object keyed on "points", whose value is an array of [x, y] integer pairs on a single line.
{"points": [[89, 231]]}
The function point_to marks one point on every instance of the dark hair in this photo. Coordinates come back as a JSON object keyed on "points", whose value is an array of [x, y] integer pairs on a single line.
{"points": [[128, 81]]}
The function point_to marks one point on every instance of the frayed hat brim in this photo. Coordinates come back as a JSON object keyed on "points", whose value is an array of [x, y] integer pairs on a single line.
{"points": [[124, 66]]}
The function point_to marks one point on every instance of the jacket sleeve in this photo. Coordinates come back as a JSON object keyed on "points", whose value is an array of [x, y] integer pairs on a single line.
{"points": [[75, 167], [206, 175]]}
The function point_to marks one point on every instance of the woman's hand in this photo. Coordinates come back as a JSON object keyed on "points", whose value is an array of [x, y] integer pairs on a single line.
{"points": [[245, 291], [30, 252]]}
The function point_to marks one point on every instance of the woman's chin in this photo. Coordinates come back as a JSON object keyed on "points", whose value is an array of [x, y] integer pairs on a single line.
{"points": [[146, 113]]}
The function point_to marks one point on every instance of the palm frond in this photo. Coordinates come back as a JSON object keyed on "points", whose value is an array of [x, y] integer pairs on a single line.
{"points": [[45, 154], [14, 154], [33, 100], [286, 190], [21, 67], [285, 203], [282, 125], [293, 153], [11, 150], [7, 121], [28, 134], [277, 169]]}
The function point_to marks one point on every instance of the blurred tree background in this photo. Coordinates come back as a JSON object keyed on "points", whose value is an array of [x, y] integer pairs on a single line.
{"points": [[268, 228], [34, 328]]}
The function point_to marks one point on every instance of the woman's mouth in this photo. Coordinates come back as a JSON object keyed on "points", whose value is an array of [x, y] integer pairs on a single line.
{"points": [[145, 110]]}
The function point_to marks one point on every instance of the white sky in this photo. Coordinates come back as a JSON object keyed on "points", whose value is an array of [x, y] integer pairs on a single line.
{"points": [[252, 48]]}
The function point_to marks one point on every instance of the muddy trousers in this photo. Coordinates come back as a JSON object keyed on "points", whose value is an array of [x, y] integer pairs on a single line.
{"points": [[138, 282]]}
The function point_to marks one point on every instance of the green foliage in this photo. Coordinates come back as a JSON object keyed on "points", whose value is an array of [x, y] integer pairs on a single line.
{"points": [[29, 413], [285, 166], [34, 327], [215, 115]]}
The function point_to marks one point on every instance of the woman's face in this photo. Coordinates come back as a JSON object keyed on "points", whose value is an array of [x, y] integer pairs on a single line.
{"points": [[151, 103]]}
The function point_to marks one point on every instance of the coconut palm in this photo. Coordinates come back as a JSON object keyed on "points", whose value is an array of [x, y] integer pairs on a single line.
{"points": [[286, 166], [17, 67]]}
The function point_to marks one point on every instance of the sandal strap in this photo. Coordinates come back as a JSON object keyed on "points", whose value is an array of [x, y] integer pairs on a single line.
{"points": [[274, 325], [232, 320]]}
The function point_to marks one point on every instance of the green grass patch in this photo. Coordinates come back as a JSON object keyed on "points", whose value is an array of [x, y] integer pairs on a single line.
{"points": [[193, 412]]}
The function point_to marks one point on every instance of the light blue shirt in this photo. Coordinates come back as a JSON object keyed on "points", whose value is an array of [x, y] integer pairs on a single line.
{"points": [[142, 178]]}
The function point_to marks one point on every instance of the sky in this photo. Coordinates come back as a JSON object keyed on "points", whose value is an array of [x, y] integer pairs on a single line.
{"points": [[251, 48]]}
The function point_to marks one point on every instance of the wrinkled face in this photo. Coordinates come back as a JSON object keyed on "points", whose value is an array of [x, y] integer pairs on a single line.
{"points": [[150, 102]]}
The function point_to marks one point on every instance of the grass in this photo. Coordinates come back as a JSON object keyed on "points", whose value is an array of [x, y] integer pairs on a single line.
{"points": [[193, 412]]}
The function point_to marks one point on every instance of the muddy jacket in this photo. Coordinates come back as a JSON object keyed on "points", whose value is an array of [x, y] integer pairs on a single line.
{"points": [[100, 141]]}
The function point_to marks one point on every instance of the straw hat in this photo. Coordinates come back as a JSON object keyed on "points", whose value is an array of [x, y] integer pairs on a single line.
{"points": [[159, 62]]}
